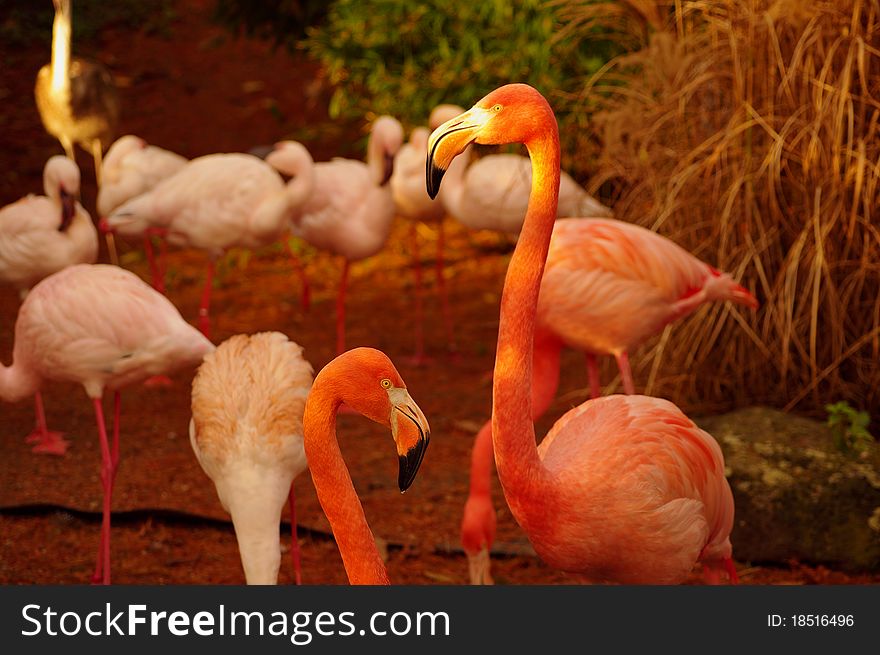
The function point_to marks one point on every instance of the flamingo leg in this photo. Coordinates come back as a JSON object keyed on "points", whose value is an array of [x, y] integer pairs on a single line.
{"points": [[47, 442], [593, 374], [154, 269], [303, 277], [102, 567], [294, 542], [730, 567], [625, 373], [204, 317], [444, 295], [418, 358], [340, 310]]}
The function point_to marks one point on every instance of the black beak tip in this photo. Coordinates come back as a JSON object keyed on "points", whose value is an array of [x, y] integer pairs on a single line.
{"points": [[434, 175], [410, 463]]}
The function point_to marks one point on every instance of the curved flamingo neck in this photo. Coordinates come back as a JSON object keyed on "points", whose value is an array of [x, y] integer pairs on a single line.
{"points": [[336, 493], [60, 63], [17, 382], [520, 470]]}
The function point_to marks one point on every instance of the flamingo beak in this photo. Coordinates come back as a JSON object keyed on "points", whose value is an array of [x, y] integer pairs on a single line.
{"points": [[743, 296], [388, 170], [68, 209], [411, 433], [450, 140]]}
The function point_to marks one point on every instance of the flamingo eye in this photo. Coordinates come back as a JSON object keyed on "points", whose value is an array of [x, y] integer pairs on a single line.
{"points": [[386, 383], [496, 108]]}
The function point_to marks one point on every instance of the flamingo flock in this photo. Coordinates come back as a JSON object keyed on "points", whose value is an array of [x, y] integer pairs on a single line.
{"points": [[624, 488]]}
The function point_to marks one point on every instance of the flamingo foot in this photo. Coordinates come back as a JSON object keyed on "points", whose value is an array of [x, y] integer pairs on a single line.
{"points": [[48, 443], [479, 568], [158, 381]]}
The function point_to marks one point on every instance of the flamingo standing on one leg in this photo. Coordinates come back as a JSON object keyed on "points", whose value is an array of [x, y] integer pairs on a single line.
{"points": [[248, 399], [367, 381], [623, 488], [351, 209], [414, 204], [103, 327], [131, 168], [40, 235], [221, 201], [77, 99]]}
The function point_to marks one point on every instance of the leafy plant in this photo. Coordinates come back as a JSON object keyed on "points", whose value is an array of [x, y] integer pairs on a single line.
{"points": [[849, 427], [404, 57]]}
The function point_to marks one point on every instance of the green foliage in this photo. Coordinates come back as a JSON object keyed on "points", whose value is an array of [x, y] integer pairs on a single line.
{"points": [[849, 428], [404, 57]]}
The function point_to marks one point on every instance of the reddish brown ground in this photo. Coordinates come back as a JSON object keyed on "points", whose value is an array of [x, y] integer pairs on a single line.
{"points": [[198, 91]]}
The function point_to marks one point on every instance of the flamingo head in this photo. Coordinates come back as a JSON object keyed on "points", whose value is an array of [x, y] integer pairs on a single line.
{"points": [[374, 388], [61, 182], [721, 286], [387, 133], [514, 113], [478, 535]]}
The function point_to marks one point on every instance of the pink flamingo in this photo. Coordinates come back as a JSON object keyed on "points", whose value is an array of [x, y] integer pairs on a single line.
{"points": [[607, 287], [351, 209], [623, 488], [414, 204], [131, 168], [218, 202], [248, 399], [102, 327], [367, 381], [40, 235]]}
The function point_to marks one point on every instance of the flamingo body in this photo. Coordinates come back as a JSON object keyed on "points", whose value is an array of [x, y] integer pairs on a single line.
{"points": [[656, 496], [133, 167], [36, 239], [609, 285], [248, 400]]}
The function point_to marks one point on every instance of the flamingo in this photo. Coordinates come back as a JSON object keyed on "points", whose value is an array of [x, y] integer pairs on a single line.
{"points": [[607, 287], [413, 203], [351, 209], [102, 327], [40, 235], [367, 381], [248, 399], [622, 489], [133, 167], [76, 98], [492, 193], [221, 201]]}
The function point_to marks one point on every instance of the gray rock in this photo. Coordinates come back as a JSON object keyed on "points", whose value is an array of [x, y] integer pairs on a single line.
{"points": [[796, 495]]}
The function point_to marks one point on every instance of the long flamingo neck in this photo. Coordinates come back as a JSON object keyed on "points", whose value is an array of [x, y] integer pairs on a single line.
{"points": [[336, 493], [61, 32], [482, 459], [520, 470]]}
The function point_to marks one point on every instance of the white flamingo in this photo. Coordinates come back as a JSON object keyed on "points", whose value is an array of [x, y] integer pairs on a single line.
{"points": [[248, 399], [133, 167], [40, 235], [221, 201], [351, 209], [102, 327]]}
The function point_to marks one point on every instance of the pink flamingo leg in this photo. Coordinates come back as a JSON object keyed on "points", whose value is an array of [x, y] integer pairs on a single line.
{"points": [[151, 259], [102, 568], [418, 359], [593, 374], [303, 277], [731, 570], [204, 317], [294, 542], [625, 373], [47, 442], [340, 310], [444, 296]]}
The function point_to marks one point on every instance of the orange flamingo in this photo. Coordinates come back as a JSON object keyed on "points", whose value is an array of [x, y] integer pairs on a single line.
{"points": [[367, 382], [623, 488], [248, 399], [607, 287]]}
